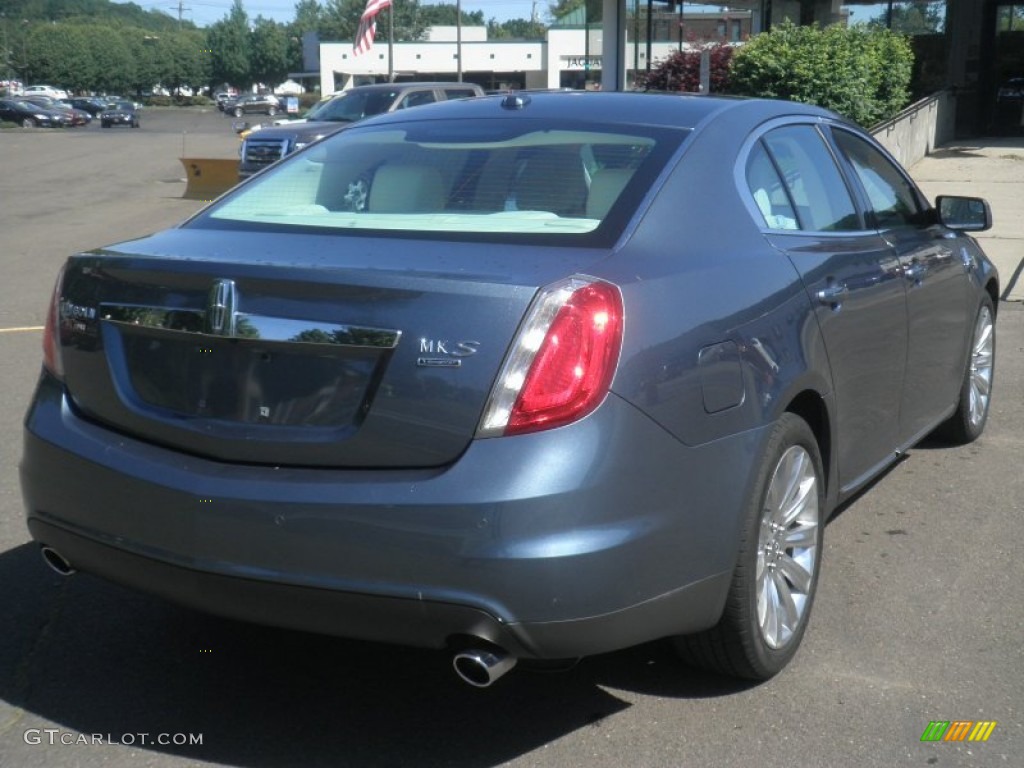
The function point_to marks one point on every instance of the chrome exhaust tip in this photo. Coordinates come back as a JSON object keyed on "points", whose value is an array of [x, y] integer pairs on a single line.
{"points": [[56, 561], [482, 668]]}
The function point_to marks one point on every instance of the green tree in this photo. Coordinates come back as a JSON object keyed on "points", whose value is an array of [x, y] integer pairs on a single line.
{"points": [[309, 17], [445, 14], [230, 52], [113, 65], [916, 17], [192, 64], [1010, 18], [515, 29], [560, 8], [113, 14], [59, 54], [269, 60], [142, 47]]}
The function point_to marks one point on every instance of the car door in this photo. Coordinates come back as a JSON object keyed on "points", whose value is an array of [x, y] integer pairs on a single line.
{"points": [[936, 279], [853, 280]]}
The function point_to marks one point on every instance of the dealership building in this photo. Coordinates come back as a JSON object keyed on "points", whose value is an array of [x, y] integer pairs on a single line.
{"points": [[570, 56]]}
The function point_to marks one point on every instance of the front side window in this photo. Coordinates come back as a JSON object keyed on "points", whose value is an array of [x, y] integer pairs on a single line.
{"points": [[355, 105], [816, 189], [892, 200], [478, 177]]}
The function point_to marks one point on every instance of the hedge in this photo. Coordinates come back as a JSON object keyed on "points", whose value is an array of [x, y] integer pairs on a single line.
{"points": [[862, 72]]}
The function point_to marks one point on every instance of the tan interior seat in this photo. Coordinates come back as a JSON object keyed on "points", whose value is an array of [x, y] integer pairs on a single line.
{"points": [[406, 189]]}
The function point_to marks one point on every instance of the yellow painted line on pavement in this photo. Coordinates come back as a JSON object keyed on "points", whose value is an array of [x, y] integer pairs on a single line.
{"points": [[22, 329]]}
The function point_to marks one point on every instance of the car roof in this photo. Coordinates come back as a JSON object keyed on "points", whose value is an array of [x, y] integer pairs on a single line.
{"points": [[406, 86], [673, 110]]}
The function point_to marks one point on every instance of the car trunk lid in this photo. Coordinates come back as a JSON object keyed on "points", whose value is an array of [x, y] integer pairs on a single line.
{"points": [[288, 350]]}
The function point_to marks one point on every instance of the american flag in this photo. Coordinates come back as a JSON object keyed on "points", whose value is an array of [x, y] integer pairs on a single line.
{"points": [[368, 26]]}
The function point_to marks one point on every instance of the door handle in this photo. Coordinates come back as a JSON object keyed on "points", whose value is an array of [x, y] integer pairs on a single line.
{"points": [[832, 295], [914, 271]]}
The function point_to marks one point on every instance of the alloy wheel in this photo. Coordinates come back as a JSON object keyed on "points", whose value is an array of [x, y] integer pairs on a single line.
{"points": [[981, 366], [787, 547]]}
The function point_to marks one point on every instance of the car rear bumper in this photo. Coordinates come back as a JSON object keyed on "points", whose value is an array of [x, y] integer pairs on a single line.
{"points": [[559, 544]]}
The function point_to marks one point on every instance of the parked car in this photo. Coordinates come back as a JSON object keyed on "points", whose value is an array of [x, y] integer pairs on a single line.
{"points": [[121, 112], [45, 90], [90, 104], [29, 115], [223, 97], [1011, 90], [75, 116], [252, 103], [344, 109], [532, 376]]}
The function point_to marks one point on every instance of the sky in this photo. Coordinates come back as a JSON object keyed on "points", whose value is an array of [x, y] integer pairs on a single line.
{"points": [[206, 12]]}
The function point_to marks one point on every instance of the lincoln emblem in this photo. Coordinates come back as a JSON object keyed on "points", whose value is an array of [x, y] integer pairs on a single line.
{"points": [[220, 308]]}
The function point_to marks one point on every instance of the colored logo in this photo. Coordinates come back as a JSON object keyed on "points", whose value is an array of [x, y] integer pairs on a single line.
{"points": [[959, 730]]}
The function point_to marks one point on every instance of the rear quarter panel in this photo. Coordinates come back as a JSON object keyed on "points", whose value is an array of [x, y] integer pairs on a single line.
{"points": [[698, 277]]}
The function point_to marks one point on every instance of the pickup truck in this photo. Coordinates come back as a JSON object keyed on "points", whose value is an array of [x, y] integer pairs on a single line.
{"points": [[268, 145]]}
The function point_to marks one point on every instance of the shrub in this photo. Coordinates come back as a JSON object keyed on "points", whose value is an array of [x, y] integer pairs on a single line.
{"points": [[681, 71], [194, 101], [860, 72]]}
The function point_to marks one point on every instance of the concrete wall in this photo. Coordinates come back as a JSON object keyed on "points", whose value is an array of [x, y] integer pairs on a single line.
{"points": [[919, 128]]}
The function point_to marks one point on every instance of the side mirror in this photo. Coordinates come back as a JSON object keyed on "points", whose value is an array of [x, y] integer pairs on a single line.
{"points": [[964, 214]]}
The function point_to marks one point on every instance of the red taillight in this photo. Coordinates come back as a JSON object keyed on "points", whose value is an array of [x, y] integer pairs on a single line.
{"points": [[51, 333], [562, 361]]}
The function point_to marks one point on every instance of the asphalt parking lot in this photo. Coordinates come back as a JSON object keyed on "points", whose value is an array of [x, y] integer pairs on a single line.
{"points": [[919, 615]]}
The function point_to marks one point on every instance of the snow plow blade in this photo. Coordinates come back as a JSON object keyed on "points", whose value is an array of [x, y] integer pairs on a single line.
{"points": [[208, 178]]}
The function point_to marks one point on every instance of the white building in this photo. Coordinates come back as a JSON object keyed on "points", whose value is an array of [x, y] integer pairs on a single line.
{"points": [[571, 56]]}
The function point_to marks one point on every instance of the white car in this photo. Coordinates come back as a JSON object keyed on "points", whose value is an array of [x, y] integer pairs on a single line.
{"points": [[46, 90]]}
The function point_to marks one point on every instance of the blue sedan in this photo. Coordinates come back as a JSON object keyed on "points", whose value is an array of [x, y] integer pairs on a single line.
{"points": [[523, 377]]}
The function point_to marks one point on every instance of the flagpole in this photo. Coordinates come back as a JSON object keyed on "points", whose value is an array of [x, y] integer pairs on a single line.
{"points": [[458, 35], [391, 43]]}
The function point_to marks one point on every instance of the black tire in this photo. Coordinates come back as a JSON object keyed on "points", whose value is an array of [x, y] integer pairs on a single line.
{"points": [[28, 122], [971, 415], [238, 112], [104, 124], [272, 111], [742, 644]]}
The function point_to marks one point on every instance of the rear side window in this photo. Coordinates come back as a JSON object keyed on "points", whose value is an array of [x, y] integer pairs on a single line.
{"points": [[892, 200], [459, 93], [817, 192], [475, 178], [416, 99], [770, 194]]}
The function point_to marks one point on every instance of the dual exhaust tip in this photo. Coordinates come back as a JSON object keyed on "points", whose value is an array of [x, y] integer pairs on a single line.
{"points": [[477, 667], [57, 562]]}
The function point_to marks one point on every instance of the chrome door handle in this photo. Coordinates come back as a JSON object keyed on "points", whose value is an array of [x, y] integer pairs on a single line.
{"points": [[832, 294], [914, 271]]}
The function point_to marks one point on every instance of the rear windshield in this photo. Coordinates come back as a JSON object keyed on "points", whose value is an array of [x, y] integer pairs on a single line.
{"points": [[501, 178]]}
